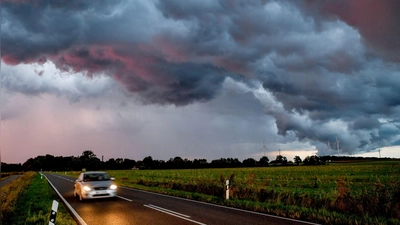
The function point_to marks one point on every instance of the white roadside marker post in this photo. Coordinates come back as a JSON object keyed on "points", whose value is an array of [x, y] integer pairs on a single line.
{"points": [[227, 189], [53, 213]]}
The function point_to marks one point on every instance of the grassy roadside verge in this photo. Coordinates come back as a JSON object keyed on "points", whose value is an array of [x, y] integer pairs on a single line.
{"points": [[28, 200]]}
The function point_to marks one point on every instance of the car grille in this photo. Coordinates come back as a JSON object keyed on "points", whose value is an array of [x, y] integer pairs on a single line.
{"points": [[100, 188]]}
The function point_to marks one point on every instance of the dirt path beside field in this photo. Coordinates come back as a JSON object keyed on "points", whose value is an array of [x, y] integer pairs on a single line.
{"points": [[8, 180]]}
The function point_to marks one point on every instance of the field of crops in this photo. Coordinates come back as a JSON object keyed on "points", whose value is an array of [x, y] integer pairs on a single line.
{"points": [[358, 193]]}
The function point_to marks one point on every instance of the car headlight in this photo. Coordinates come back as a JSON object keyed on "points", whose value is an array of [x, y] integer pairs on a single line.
{"points": [[86, 188], [113, 187]]}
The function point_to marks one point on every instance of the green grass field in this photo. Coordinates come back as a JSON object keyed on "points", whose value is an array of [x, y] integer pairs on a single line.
{"points": [[343, 193], [367, 192]]}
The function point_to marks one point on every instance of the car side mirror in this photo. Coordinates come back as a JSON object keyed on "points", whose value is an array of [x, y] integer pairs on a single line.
{"points": [[112, 178]]}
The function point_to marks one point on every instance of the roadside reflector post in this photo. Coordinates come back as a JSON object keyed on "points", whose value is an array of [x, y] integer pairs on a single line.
{"points": [[227, 189], [53, 213]]}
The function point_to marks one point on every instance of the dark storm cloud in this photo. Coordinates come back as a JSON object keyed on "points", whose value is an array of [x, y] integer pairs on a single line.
{"points": [[366, 124], [351, 99], [32, 29], [322, 60], [82, 36]]}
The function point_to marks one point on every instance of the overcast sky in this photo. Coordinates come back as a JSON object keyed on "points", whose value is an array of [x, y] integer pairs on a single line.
{"points": [[199, 79]]}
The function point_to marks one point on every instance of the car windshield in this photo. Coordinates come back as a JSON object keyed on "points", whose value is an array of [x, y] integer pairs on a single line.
{"points": [[96, 177]]}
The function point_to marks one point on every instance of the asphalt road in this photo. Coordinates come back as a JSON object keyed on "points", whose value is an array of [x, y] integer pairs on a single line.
{"points": [[8, 180], [139, 207]]}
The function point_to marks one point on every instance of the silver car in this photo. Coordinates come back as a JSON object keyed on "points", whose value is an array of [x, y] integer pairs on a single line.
{"points": [[90, 185]]}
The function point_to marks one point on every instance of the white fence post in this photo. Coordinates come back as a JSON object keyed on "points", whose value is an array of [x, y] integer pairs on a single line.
{"points": [[227, 189], [53, 213]]}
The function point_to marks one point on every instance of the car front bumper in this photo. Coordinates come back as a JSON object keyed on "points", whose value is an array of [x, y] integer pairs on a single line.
{"points": [[99, 194]]}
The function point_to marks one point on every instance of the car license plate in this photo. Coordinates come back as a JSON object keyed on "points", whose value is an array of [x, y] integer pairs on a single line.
{"points": [[101, 192]]}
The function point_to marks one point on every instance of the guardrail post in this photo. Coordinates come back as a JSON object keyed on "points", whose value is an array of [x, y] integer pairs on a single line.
{"points": [[53, 213]]}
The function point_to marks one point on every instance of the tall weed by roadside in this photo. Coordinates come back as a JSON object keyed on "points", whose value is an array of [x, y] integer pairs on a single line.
{"points": [[381, 200]]}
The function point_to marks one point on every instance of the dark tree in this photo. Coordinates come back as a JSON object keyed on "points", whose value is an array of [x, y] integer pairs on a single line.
{"points": [[297, 160], [281, 159], [88, 154], [5, 167], [199, 163], [148, 162], [90, 161], [176, 163], [263, 161], [312, 160], [250, 162], [32, 165], [128, 164], [76, 164], [111, 164]]}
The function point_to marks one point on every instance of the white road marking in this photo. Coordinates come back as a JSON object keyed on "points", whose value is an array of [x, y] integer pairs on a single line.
{"points": [[79, 218], [172, 213], [169, 211], [64, 178], [126, 199]]}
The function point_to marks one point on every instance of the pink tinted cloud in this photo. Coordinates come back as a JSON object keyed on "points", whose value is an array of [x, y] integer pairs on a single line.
{"points": [[10, 60], [138, 67], [169, 48], [117, 59], [377, 21], [92, 59]]}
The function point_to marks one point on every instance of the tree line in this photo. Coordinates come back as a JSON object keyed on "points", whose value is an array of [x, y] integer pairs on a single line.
{"points": [[89, 161]]}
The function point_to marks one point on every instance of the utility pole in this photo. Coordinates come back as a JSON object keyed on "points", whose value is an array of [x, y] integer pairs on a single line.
{"points": [[264, 148], [337, 146], [329, 149]]}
